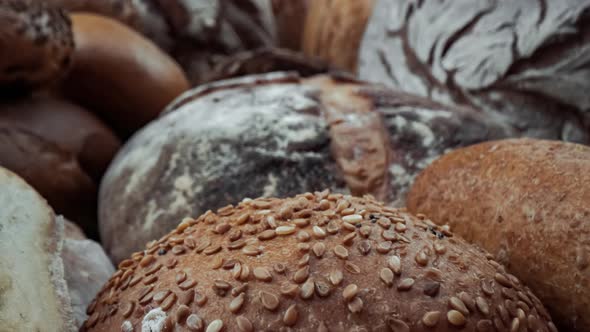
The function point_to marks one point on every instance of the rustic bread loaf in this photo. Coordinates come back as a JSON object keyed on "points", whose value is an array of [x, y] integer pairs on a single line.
{"points": [[33, 292], [525, 62], [119, 74], [526, 201], [274, 135], [315, 262], [61, 150], [35, 43]]}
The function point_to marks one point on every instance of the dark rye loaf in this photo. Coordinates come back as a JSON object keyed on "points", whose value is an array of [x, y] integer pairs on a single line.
{"points": [[275, 135], [527, 62]]}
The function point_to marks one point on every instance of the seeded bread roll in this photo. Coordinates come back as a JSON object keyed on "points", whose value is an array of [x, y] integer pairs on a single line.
{"points": [[61, 150], [33, 292], [526, 201], [529, 70], [315, 262], [274, 135], [35, 42], [86, 269]]}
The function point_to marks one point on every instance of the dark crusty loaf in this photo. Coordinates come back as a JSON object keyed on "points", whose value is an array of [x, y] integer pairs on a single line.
{"points": [[35, 42], [528, 203], [315, 262], [525, 61], [61, 150], [274, 135]]}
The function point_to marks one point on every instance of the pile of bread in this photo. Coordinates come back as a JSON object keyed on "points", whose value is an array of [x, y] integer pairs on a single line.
{"points": [[294, 165]]}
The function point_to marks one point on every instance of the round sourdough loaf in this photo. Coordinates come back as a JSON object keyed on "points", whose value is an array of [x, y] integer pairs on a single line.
{"points": [[314, 262], [274, 135], [525, 62], [527, 202]]}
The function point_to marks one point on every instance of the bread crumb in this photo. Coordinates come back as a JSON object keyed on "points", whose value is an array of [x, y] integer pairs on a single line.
{"points": [[153, 321]]}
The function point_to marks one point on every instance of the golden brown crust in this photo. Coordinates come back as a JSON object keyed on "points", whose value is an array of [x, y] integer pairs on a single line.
{"points": [[35, 42], [526, 201], [333, 30], [120, 74], [316, 262]]}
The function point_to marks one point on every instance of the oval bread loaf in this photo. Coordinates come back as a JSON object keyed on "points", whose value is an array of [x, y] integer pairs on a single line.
{"points": [[314, 262], [527, 202], [274, 135]]}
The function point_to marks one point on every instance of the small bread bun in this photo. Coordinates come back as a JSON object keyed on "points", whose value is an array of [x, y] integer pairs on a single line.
{"points": [[527, 202], [35, 42], [33, 292], [61, 149], [315, 262], [119, 74]]}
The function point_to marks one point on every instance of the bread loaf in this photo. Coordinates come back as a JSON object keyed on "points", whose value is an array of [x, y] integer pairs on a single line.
{"points": [[526, 201], [315, 262], [32, 286], [333, 31], [61, 150], [119, 74], [525, 62], [274, 135], [35, 43]]}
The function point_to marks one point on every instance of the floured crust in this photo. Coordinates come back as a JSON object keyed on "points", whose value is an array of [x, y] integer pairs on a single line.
{"points": [[31, 242], [37, 43], [275, 135], [315, 262], [86, 269], [526, 69], [526, 201]]}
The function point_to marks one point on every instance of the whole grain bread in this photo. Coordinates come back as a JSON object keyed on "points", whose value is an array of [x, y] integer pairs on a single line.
{"points": [[314, 262], [527, 202]]}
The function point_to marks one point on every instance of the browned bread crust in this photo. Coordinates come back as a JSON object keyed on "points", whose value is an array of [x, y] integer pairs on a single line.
{"points": [[527, 202], [315, 262], [275, 135]]}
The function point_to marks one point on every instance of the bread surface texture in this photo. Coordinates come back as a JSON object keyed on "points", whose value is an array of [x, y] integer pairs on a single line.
{"points": [[527, 202], [314, 262]]}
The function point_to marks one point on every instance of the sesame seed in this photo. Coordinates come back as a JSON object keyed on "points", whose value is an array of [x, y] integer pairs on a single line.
{"points": [[353, 218], [189, 283], [307, 289], [364, 247], [405, 284], [457, 304], [356, 305], [383, 247], [502, 280], [289, 290], [322, 288], [222, 228], [319, 249], [236, 304], [301, 275], [430, 319], [147, 260], [333, 227], [487, 287], [386, 275], [352, 268], [431, 288], [301, 223], [243, 218], [515, 325], [262, 273], [285, 230], [303, 261], [127, 309], [168, 302], [251, 250], [303, 236], [194, 323], [421, 258], [269, 300], [350, 292], [341, 252], [324, 205], [319, 232], [336, 277], [267, 235], [244, 324], [349, 239], [397, 325], [160, 296], [212, 250], [395, 264], [389, 235], [349, 227], [456, 318], [215, 326], [200, 299], [187, 297]]}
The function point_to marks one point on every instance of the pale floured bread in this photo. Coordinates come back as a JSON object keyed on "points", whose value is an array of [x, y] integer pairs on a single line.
{"points": [[33, 293]]}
